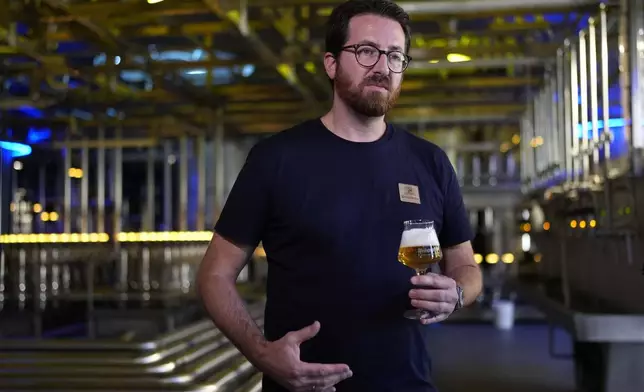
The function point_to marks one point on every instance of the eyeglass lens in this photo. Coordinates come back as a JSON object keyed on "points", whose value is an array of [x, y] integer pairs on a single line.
{"points": [[368, 56]]}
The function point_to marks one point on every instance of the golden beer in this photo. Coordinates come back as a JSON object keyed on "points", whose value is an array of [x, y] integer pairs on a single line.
{"points": [[419, 258], [419, 249]]}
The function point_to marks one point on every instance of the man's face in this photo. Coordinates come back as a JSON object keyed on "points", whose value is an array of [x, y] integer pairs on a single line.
{"points": [[371, 91]]}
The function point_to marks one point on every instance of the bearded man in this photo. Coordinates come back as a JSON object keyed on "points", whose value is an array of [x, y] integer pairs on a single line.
{"points": [[328, 198]]}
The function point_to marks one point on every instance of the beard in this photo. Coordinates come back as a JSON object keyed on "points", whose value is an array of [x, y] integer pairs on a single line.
{"points": [[366, 103]]}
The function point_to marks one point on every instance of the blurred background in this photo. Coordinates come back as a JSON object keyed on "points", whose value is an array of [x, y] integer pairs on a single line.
{"points": [[124, 123]]}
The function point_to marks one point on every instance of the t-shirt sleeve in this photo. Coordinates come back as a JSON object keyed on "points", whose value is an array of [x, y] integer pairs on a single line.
{"points": [[456, 227], [245, 213]]}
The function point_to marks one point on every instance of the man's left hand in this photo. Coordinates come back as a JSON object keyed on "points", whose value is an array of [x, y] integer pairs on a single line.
{"points": [[436, 294]]}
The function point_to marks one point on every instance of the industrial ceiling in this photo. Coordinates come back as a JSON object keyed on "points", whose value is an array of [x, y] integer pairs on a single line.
{"points": [[166, 68]]}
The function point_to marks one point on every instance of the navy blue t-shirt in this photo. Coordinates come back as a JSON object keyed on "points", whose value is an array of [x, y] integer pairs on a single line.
{"points": [[329, 214]]}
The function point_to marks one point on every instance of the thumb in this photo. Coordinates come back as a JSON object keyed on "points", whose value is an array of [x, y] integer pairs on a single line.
{"points": [[305, 333]]}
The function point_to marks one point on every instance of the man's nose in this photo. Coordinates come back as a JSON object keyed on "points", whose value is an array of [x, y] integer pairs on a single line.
{"points": [[381, 65]]}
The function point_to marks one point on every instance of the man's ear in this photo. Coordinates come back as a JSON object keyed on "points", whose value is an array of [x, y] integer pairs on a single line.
{"points": [[330, 65]]}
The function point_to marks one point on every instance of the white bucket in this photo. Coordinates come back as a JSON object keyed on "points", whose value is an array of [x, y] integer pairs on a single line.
{"points": [[504, 314]]}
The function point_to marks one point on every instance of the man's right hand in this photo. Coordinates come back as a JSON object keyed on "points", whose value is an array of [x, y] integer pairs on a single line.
{"points": [[281, 361]]}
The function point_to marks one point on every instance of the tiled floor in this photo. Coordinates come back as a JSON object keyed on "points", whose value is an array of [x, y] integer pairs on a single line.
{"points": [[479, 358]]}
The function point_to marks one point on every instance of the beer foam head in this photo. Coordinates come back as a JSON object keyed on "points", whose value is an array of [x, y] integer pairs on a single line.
{"points": [[419, 237]]}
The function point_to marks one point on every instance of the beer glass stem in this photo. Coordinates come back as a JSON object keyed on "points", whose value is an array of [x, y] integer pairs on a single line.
{"points": [[422, 313]]}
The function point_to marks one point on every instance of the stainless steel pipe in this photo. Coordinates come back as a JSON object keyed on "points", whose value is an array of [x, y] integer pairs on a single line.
{"points": [[204, 361], [115, 345]]}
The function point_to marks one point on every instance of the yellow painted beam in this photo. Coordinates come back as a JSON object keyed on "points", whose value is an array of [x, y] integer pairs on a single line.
{"points": [[157, 30], [469, 82], [7, 50], [458, 110], [265, 52], [107, 143], [259, 128], [133, 9], [481, 49]]}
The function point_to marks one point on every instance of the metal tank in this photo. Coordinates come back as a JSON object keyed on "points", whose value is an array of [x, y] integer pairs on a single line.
{"points": [[581, 147], [581, 168]]}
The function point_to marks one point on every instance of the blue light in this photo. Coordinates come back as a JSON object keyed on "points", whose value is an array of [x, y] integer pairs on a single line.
{"points": [[31, 111], [74, 84], [16, 150], [99, 59], [83, 115], [71, 46], [614, 111], [583, 23], [554, 18], [247, 70], [619, 144], [612, 123], [22, 28], [36, 135], [614, 94]]}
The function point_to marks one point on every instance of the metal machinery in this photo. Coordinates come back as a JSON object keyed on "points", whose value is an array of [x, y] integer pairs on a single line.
{"points": [[138, 116], [113, 318], [581, 151]]}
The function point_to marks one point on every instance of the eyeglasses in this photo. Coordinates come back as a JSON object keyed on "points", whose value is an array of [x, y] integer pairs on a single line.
{"points": [[368, 55]]}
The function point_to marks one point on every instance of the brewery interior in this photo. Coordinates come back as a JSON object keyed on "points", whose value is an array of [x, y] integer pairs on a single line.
{"points": [[124, 123]]}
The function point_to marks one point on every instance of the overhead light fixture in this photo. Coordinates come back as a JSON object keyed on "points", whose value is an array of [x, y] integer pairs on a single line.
{"points": [[154, 1], [200, 71], [458, 58]]}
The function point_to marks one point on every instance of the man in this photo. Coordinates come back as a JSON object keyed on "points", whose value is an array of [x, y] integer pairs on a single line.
{"points": [[324, 199]]}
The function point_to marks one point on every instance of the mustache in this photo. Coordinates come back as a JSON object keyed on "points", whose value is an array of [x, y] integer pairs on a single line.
{"points": [[378, 81]]}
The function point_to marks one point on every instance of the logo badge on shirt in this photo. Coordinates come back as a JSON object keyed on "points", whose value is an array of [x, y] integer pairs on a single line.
{"points": [[409, 193]]}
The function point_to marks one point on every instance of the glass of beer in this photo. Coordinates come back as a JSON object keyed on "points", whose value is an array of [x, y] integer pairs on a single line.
{"points": [[419, 249]]}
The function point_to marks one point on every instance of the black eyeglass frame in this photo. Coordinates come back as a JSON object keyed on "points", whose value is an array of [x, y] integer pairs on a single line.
{"points": [[355, 48]]}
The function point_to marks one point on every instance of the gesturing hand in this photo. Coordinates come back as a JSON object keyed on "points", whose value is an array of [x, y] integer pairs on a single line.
{"points": [[281, 361], [435, 293]]}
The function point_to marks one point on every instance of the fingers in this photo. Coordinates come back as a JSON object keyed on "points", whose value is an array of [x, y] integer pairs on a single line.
{"points": [[434, 319], [326, 382], [323, 377], [318, 370], [434, 307], [434, 281], [314, 376], [436, 301], [448, 296], [440, 298], [304, 334]]}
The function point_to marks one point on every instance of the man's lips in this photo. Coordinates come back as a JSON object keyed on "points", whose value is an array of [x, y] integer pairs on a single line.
{"points": [[379, 85]]}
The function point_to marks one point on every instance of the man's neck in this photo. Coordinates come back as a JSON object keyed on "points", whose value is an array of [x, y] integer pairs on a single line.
{"points": [[347, 124]]}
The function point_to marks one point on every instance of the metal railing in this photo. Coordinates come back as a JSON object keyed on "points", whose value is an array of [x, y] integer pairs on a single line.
{"points": [[41, 280], [197, 358], [486, 165]]}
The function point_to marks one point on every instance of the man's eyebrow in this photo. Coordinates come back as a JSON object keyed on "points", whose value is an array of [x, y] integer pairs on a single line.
{"points": [[368, 42]]}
